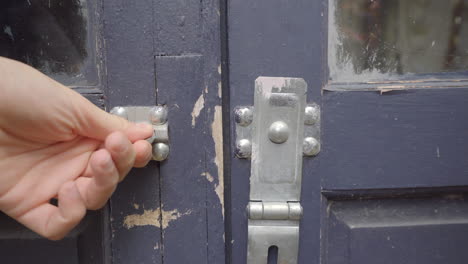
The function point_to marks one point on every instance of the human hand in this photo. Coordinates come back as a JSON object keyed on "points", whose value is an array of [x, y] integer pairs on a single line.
{"points": [[56, 144]]}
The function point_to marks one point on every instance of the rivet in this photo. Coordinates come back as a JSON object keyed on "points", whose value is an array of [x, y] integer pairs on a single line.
{"points": [[312, 114], [278, 132], [311, 146], [119, 111], [158, 115], [243, 116], [160, 151], [243, 149]]}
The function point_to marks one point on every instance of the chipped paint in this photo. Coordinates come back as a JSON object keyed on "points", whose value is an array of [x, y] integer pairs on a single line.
{"points": [[148, 218], [219, 68], [217, 134], [220, 89], [199, 104], [136, 206], [208, 176], [152, 217], [169, 216]]}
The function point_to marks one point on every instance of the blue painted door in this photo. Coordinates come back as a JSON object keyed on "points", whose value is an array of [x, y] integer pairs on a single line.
{"points": [[142, 53], [389, 185]]}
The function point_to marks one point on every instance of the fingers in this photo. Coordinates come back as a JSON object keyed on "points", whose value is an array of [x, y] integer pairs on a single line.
{"points": [[108, 166], [122, 152], [55, 222], [143, 153], [95, 123], [97, 189]]}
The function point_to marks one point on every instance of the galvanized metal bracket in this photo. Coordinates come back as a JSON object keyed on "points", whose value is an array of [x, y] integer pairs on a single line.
{"points": [[154, 115], [275, 133]]}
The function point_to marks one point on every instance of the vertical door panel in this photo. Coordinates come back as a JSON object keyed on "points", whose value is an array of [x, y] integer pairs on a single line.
{"points": [[187, 54], [135, 206], [280, 39]]}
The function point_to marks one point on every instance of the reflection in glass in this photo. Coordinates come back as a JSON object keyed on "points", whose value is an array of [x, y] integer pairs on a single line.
{"points": [[378, 39], [50, 35]]}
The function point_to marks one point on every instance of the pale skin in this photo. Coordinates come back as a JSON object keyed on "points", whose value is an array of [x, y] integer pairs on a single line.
{"points": [[56, 144]]}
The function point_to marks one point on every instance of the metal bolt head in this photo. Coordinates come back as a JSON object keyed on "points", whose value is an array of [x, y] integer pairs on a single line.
{"points": [[278, 132], [312, 114], [158, 115], [160, 151], [243, 149], [311, 146], [119, 111], [243, 116]]}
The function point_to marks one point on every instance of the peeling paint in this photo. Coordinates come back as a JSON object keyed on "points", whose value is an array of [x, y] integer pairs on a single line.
{"points": [[220, 90], [208, 176], [199, 104], [136, 206], [169, 216], [206, 89], [151, 218], [219, 68], [217, 134], [148, 218]]}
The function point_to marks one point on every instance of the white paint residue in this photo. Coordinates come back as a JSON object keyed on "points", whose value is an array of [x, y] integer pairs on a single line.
{"points": [[438, 152], [199, 104], [220, 90], [169, 216], [219, 69], [151, 218], [217, 134], [148, 218], [208, 176]]}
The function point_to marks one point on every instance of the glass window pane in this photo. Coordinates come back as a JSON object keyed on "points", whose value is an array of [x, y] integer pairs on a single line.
{"points": [[54, 36], [381, 39]]}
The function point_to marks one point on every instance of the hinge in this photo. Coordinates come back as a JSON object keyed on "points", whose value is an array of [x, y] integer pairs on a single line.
{"points": [[275, 133], [156, 116]]}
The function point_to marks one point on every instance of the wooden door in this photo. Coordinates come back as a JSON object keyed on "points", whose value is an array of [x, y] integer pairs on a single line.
{"points": [[119, 53], [389, 185]]}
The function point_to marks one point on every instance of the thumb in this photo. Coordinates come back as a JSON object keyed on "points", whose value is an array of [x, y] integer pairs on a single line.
{"points": [[94, 122]]}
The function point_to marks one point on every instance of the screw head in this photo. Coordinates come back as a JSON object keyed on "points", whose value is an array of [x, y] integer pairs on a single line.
{"points": [[160, 151], [311, 146], [278, 132], [243, 148], [158, 115], [119, 111], [243, 116], [312, 114]]}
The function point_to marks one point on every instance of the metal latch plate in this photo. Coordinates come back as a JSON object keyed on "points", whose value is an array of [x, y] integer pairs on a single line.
{"points": [[155, 115], [275, 133], [276, 166]]}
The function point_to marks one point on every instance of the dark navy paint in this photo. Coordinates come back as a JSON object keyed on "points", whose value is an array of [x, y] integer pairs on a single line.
{"points": [[130, 80], [168, 52], [414, 138], [282, 39]]}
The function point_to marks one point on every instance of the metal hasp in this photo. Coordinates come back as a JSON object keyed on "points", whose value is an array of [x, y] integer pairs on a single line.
{"points": [[275, 133], [154, 115]]}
